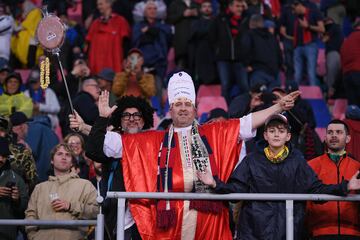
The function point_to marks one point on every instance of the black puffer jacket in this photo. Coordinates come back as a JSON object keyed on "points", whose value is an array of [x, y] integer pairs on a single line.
{"points": [[256, 174], [262, 50], [227, 47]]}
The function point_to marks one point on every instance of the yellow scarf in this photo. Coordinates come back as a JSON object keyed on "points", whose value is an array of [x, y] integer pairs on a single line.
{"points": [[278, 158]]}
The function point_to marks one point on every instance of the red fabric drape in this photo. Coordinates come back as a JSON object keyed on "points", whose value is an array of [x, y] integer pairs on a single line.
{"points": [[140, 152]]}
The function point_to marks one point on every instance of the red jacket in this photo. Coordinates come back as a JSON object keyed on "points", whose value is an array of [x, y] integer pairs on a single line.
{"points": [[350, 53], [106, 43], [323, 218], [352, 147]]}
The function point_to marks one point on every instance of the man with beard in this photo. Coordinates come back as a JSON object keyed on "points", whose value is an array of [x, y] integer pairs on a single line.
{"points": [[331, 220], [165, 161], [133, 115]]}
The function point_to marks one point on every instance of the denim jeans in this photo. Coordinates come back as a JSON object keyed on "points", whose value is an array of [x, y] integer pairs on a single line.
{"points": [[261, 77], [333, 68], [228, 72], [306, 56]]}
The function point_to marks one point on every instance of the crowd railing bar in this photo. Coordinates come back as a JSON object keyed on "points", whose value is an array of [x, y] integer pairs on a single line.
{"points": [[288, 198]]}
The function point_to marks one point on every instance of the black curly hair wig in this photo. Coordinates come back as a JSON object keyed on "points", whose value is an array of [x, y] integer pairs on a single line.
{"points": [[133, 102]]}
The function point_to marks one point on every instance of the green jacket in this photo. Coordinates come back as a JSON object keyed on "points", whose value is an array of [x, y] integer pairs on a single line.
{"points": [[8, 208]]}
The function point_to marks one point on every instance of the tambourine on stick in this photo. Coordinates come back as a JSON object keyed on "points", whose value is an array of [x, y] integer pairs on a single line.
{"points": [[51, 34]]}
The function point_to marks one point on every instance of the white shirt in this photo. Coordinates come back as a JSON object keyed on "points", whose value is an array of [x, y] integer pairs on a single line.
{"points": [[113, 148], [6, 29], [50, 107], [113, 143]]}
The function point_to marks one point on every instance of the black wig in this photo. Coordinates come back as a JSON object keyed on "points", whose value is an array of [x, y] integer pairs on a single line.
{"points": [[133, 102]]}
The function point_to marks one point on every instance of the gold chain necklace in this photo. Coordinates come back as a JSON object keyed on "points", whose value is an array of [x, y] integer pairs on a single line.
{"points": [[45, 73]]}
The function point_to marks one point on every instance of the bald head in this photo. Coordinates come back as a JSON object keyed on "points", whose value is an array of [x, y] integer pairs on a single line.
{"points": [[92, 87]]}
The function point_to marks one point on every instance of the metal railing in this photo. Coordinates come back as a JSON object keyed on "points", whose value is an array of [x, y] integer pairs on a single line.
{"points": [[289, 198], [99, 223]]}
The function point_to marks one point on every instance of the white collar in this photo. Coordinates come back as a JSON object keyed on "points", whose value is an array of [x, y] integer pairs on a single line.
{"points": [[183, 129]]}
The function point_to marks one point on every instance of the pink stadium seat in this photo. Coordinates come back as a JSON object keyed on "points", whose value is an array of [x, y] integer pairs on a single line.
{"points": [[208, 91], [282, 78], [75, 12], [58, 132], [311, 92], [331, 102], [156, 120], [339, 108], [171, 60], [38, 3], [321, 132], [206, 104], [24, 74], [321, 63]]}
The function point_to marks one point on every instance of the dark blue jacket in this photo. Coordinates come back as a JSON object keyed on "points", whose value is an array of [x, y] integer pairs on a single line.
{"points": [[256, 174], [154, 44], [263, 51], [41, 139]]}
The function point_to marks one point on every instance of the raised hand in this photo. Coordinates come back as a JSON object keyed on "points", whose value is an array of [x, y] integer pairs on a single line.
{"points": [[206, 177], [104, 109], [287, 102]]}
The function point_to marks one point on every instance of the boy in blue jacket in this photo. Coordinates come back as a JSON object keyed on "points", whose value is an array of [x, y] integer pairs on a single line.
{"points": [[274, 168]]}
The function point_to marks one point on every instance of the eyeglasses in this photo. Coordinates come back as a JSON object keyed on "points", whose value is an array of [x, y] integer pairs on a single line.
{"points": [[74, 143], [137, 116], [94, 85]]}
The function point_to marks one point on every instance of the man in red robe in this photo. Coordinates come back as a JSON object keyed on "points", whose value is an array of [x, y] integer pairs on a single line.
{"points": [[106, 38], [167, 161]]}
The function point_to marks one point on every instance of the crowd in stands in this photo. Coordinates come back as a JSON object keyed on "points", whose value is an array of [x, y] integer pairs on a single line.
{"points": [[119, 56]]}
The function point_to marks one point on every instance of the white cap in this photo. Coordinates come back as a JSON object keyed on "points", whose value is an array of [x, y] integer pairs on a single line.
{"points": [[181, 86]]}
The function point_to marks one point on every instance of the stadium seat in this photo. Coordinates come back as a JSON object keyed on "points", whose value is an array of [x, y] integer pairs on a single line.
{"points": [[155, 103], [321, 132], [339, 109], [208, 91], [58, 132], [235, 91], [171, 61], [206, 104], [75, 12], [156, 120], [311, 92], [25, 73], [321, 112], [321, 63], [38, 3], [203, 117]]}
